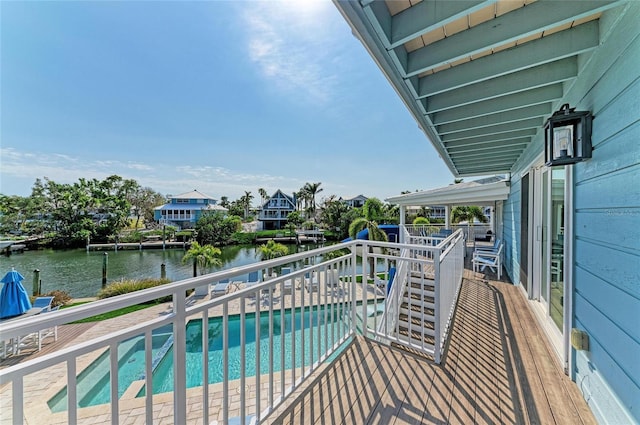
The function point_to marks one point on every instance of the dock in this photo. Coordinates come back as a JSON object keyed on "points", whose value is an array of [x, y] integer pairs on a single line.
{"points": [[137, 245]]}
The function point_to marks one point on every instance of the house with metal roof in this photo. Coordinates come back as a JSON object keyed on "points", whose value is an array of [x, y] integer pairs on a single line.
{"points": [[274, 211], [354, 201], [184, 210]]}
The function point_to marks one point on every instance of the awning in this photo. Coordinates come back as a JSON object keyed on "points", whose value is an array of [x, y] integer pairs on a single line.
{"points": [[478, 192]]}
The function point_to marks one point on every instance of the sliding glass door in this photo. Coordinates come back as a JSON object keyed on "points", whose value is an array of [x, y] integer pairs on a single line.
{"points": [[546, 215]]}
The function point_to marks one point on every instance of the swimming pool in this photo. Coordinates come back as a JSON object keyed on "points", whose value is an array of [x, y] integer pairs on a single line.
{"points": [[93, 383]]}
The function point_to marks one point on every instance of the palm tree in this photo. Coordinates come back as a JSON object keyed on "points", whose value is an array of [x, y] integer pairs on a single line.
{"points": [[375, 233], [203, 256], [272, 250], [263, 195], [245, 201], [312, 190], [469, 214]]}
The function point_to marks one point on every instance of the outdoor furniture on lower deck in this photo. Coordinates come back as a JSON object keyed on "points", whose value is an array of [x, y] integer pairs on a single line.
{"points": [[498, 368]]}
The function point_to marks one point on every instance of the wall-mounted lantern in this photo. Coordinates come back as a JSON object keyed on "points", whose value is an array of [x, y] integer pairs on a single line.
{"points": [[567, 136]]}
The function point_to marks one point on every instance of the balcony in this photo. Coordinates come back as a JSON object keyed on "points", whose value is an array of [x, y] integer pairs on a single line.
{"points": [[363, 353]]}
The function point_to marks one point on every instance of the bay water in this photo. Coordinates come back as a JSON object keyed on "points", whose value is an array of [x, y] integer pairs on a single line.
{"points": [[79, 273]]}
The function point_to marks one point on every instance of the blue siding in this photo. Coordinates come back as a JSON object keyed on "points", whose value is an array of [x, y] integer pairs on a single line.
{"points": [[606, 220], [511, 230]]}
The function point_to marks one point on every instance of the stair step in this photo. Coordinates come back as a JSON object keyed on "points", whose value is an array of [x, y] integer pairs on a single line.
{"points": [[417, 302], [428, 314], [417, 292], [416, 337]]}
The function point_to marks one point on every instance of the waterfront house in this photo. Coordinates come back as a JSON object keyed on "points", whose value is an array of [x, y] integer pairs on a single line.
{"points": [[275, 210], [481, 78], [184, 210], [354, 201]]}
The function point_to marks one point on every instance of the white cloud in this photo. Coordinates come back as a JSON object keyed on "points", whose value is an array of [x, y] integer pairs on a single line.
{"points": [[292, 42], [164, 178]]}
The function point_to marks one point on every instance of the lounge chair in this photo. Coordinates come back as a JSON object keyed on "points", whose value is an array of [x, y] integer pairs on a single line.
{"points": [[43, 303], [221, 288], [252, 280], [35, 339], [332, 279], [287, 286], [311, 281]]}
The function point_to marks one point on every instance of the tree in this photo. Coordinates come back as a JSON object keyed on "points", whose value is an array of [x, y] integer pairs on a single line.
{"points": [[375, 233], [294, 218], [143, 201], [337, 215], [224, 201], [217, 229], [419, 221], [263, 195], [203, 257], [245, 201], [272, 250], [311, 190], [469, 214]]}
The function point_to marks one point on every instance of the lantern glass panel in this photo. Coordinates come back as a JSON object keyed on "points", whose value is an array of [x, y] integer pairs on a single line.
{"points": [[563, 142]]}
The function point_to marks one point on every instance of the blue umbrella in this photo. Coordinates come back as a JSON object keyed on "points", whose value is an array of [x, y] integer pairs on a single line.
{"points": [[14, 299]]}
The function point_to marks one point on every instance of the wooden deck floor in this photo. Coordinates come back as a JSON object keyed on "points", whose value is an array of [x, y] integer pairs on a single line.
{"points": [[498, 369], [66, 334]]}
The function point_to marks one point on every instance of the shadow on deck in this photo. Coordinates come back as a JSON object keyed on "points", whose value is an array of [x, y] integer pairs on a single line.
{"points": [[498, 368]]}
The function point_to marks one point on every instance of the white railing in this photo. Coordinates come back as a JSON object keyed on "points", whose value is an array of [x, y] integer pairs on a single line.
{"points": [[429, 261], [470, 230], [305, 317]]}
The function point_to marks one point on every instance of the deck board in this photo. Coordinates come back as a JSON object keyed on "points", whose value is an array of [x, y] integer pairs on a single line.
{"points": [[498, 368]]}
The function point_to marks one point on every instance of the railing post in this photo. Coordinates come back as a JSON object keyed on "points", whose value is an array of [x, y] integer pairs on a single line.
{"points": [[179, 358], [354, 264], [436, 305]]}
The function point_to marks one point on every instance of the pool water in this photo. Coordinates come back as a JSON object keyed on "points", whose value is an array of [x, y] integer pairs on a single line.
{"points": [[93, 383], [307, 322]]}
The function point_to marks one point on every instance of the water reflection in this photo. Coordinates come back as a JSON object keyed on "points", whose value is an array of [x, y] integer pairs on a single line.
{"points": [[80, 273]]}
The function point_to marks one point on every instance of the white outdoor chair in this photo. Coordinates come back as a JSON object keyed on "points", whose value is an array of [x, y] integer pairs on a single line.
{"points": [[287, 286], [492, 259], [311, 281], [34, 339]]}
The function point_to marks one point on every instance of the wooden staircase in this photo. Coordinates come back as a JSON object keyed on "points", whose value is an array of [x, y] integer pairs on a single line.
{"points": [[416, 314]]}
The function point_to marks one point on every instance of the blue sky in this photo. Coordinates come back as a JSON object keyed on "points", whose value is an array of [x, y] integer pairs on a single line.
{"points": [[219, 96]]}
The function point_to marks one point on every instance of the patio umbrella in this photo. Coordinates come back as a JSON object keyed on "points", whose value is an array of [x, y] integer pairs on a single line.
{"points": [[14, 299]]}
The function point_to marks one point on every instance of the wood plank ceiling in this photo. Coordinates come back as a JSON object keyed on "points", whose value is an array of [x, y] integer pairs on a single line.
{"points": [[480, 76]]}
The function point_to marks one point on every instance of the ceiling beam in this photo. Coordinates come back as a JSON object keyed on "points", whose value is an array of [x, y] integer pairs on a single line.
{"points": [[513, 135], [531, 123], [502, 104], [429, 15], [492, 148], [557, 46], [539, 76], [520, 23], [483, 171], [487, 164], [508, 152], [541, 110]]}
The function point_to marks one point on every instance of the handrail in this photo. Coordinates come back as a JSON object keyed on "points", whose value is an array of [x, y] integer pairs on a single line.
{"points": [[327, 309]]}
